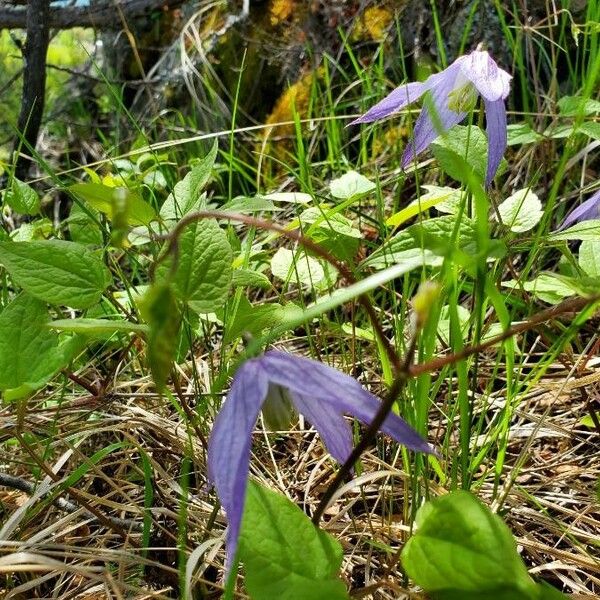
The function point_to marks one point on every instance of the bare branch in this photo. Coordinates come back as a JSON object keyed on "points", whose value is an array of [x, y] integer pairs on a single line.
{"points": [[101, 15]]}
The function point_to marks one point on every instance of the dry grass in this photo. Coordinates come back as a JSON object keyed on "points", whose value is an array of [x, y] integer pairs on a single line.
{"points": [[548, 494]]}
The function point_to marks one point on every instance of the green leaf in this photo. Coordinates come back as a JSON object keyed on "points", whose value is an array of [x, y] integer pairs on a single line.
{"points": [[549, 287], [584, 230], [39, 229], [290, 197], [22, 198], [469, 143], [297, 267], [571, 106], [187, 194], [351, 185], [96, 327], [591, 129], [589, 257], [402, 247], [250, 278], [253, 319], [284, 554], [248, 205], [331, 230], [522, 133], [444, 199], [56, 271], [463, 550], [30, 353], [547, 592], [203, 272], [83, 228], [521, 211], [325, 217], [159, 308], [115, 202], [587, 421]]}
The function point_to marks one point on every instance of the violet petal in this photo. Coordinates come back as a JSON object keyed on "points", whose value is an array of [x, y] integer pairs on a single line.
{"points": [[396, 100], [426, 129], [324, 385], [491, 81], [495, 114], [332, 427], [590, 209], [229, 445]]}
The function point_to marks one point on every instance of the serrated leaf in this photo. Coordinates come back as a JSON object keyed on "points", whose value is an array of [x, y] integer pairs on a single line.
{"points": [[202, 276], [589, 257], [584, 230], [559, 132], [297, 267], [252, 319], [351, 185], [549, 287], [30, 353], [571, 106], [56, 271], [521, 211], [116, 202], [159, 309], [39, 229], [83, 228], [250, 278], [332, 231], [591, 129], [187, 194], [462, 550], [285, 556], [324, 217], [469, 143], [22, 198], [522, 133]]}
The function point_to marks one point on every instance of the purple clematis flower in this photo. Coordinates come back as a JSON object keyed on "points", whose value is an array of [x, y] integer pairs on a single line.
{"points": [[454, 93], [590, 209], [276, 379]]}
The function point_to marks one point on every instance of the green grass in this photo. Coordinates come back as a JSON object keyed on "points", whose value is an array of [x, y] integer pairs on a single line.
{"points": [[488, 415]]}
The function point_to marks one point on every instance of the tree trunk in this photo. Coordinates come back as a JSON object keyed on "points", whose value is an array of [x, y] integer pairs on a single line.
{"points": [[34, 83]]}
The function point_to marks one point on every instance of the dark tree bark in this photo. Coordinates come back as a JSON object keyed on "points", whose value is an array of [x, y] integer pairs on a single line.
{"points": [[34, 81], [104, 14]]}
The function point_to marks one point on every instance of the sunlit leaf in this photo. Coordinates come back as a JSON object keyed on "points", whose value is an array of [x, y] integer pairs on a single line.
{"points": [[285, 556]]}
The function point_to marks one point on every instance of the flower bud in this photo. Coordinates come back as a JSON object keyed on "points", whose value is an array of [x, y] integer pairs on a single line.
{"points": [[278, 410], [426, 296]]}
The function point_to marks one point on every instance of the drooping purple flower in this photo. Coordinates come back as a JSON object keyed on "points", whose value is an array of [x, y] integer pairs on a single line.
{"points": [[453, 93], [322, 394], [590, 209]]}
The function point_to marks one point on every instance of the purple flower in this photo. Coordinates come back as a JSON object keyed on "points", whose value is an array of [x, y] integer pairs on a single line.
{"points": [[276, 379], [454, 93], [590, 209]]}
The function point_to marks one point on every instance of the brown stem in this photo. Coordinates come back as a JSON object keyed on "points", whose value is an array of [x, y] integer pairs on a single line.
{"points": [[402, 376], [173, 236], [407, 371], [568, 306]]}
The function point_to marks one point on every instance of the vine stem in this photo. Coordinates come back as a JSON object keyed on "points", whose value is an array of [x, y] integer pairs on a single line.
{"points": [[409, 370], [172, 250], [405, 369]]}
